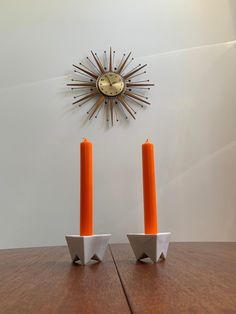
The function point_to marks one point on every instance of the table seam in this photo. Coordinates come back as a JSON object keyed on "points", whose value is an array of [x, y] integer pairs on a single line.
{"points": [[121, 282]]}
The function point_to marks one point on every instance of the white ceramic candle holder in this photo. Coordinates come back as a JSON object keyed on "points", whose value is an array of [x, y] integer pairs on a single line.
{"points": [[85, 248], [154, 246]]}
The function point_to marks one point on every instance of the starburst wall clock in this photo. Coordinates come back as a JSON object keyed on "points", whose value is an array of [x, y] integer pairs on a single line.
{"points": [[112, 85]]}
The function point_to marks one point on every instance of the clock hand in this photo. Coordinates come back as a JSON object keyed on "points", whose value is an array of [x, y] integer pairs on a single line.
{"points": [[114, 84], [109, 80]]}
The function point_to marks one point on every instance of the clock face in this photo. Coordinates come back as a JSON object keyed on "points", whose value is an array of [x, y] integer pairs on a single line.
{"points": [[111, 84], [115, 88]]}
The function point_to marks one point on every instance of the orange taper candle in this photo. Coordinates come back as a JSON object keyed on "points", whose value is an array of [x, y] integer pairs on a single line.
{"points": [[86, 188], [149, 189]]}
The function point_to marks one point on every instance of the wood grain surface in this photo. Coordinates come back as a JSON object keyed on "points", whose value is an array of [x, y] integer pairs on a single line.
{"points": [[43, 280], [195, 278]]}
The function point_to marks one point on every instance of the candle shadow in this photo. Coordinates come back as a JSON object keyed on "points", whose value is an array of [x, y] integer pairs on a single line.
{"points": [[144, 261], [147, 260], [90, 263]]}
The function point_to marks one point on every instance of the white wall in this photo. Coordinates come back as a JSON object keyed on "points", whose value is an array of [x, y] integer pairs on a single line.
{"points": [[190, 48]]}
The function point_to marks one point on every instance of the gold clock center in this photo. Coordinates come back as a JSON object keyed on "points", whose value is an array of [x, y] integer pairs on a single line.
{"points": [[110, 84]]}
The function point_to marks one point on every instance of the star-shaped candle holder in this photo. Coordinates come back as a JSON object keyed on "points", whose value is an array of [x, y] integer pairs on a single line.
{"points": [[86, 248], [154, 246]]}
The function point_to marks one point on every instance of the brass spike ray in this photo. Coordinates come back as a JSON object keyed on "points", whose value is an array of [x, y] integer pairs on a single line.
{"points": [[107, 110], [122, 110], [134, 71], [81, 73], [97, 105], [99, 109], [131, 107], [120, 62], [113, 59], [82, 88], [105, 60], [127, 64], [136, 97], [90, 109], [82, 95], [124, 63], [93, 64], [111, 103], [123, 102], [137, 66], [110, 60], [102, 66], [131, 77], [139, 95], [81, 64], [146, 88], [89, 96], [141, 84], [137, 82], [135, 101], [85, 101], [85, 71], [80, 81], [82, 84], [116, 115], [98, 62]]}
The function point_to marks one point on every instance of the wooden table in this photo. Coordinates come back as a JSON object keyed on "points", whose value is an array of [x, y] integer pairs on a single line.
{"points": [[195, 278]]}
